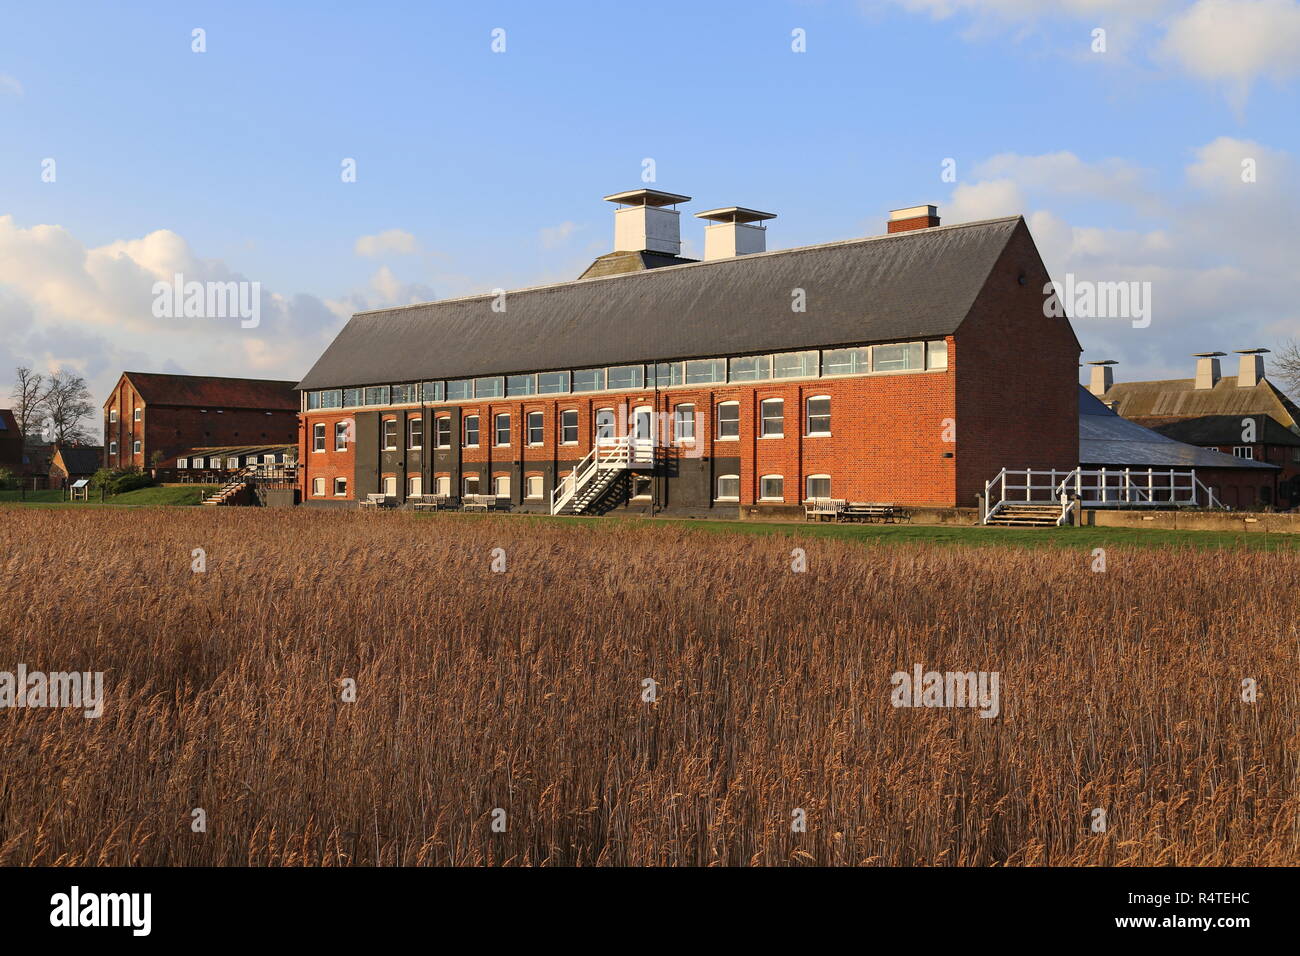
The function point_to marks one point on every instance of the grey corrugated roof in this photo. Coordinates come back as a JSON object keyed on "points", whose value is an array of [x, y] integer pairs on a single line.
{"points": [[886, 288], [1107, 440]]}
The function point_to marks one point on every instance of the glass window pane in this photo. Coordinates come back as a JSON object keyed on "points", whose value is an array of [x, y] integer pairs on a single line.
{"points": [[432, 392], [666, 374], [589, 380], [377, 395], [351, 397], [794, 365], [493, 387], [627, 376], [551, 383], [706, 371], [753, 368], [313, 401], [728, 486], [729, 421], [846, 362], [462, 388], [897, 358], [521, 385], [936, 354]]}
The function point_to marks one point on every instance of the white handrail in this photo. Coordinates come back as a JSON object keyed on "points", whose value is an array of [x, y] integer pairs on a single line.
{"points": [[613, 454]]}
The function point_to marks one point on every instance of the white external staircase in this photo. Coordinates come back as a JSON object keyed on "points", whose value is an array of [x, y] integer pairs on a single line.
{"points": [[592, 477]]}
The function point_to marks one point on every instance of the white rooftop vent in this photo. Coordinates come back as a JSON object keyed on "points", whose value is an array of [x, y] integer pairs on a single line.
{"points": [[642, 223], [735, 231], [1207, 369], [1251, 370]]}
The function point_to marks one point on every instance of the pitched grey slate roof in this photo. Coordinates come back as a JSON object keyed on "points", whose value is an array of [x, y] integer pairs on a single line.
{"points": [[1226, 430], [1107, 440], [909, 285]]}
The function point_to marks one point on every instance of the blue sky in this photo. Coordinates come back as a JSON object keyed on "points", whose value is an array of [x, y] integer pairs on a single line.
{"points": [[482, 169]]}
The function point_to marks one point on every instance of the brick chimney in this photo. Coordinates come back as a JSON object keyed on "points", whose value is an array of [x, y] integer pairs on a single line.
{"points": [[1207, 369], [913, 217], [1101, 378], [1251, 370]]}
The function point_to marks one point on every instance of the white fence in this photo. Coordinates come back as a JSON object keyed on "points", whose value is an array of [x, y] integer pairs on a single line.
{"points": [[1097, 488]]}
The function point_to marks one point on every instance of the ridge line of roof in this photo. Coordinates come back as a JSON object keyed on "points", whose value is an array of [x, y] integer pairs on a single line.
{"points": [[690, 265]]}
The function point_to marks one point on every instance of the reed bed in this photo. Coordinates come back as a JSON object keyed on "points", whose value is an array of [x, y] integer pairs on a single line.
{"points": [[500, 716]]}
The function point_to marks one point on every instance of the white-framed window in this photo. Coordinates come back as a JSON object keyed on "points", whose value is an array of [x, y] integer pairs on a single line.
{"points": [[1244, 451], [268, 459], [855, 361], [728, 488], [471, 431], [772, 414], [684, 422], [442, 484], [232, 463], [533, 484], [819, 486], [536, 428], [112, 416], [340, 436], [771, 488], [502, 428], [318, 487], [340, 487], [903, 357], [135, 447], [390, 485], [569, 426], [318, 437], [819, 415], [936, 354], [415, 485], [137, 414], [415, 433], [182, 463], [501, 486], [442, 431], [728, 421], [112, 448], [390, 434], [470, 484], [605, 424]]}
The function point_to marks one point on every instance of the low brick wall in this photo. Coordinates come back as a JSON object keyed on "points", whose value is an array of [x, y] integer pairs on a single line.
{"points": [[920, 514], [1286, 523]]}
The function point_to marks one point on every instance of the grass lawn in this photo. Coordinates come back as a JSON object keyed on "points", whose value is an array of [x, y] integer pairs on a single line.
{"points": [[54, 498], [975, 536]]}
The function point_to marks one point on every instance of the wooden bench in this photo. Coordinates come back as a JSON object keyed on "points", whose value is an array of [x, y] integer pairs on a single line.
{"points": [[376, 502], [478, 502], [872, 511], [427, 502], [818, 508]]}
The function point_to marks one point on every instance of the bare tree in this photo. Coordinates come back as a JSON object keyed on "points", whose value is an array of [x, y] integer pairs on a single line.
{"points": [[28, 397], [1285, 365], [67, 405]]}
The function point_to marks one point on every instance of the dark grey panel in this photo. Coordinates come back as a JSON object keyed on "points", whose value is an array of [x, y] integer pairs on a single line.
{"points": [[365, 478]]}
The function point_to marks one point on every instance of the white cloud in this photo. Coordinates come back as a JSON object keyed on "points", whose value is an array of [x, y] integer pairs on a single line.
{"points": [[1219, 252], [1236, 41], [91, 308], [553, 236], [396, 241], [9, 86]]}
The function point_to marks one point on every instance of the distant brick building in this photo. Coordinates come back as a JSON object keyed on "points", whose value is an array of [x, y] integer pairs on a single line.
{"points": [[11, 442], [1245, 416], [151, 418], [908, 367]]}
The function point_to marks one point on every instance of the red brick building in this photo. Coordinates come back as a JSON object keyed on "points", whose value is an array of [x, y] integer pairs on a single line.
{"points": [[1245, 416], [907, 368], [151, 418]]}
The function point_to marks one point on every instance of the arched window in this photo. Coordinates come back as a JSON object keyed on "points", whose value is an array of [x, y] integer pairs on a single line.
{"points": [[771, 488], [728, 488], [819, 486], [728, 421]]}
